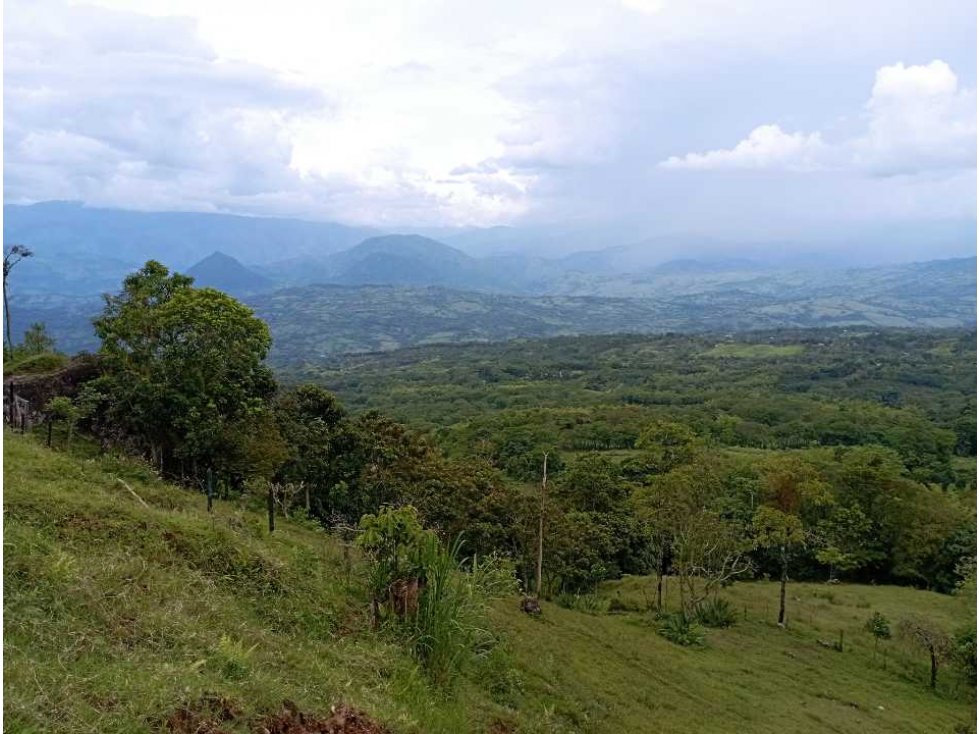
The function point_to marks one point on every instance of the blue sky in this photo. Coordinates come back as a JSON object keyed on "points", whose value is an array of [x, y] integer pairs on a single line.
{"points": [[751, 119]]}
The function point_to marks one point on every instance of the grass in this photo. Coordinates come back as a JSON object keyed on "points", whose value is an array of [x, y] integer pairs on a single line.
{"points": [[116, 613], [754, 351]]}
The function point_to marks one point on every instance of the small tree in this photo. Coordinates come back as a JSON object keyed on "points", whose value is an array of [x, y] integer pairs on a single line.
{"points": [[37, 340], [925, 635], [790, 486], [879, 627], [782, 533], [64, 410], [708, 552], [393, 540]]}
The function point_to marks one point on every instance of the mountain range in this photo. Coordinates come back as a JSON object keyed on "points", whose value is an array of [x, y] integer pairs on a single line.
{"points": [[335, 289]]}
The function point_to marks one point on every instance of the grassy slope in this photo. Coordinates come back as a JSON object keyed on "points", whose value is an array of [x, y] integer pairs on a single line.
{"points": [[115, 613]]}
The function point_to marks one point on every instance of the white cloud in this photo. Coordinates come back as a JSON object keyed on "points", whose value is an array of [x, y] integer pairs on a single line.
{"points": [[767, 146], [917, 120], [439, 113]]}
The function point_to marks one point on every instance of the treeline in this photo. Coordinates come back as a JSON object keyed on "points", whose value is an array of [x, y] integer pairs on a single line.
{"points": [[911, 391], [183, 381]]}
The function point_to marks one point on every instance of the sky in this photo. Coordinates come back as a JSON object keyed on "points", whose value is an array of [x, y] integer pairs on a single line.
{"points": [[738, 118]]}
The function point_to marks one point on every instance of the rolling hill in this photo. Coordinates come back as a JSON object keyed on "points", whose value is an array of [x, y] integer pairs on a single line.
{"points": [[128, 608]]}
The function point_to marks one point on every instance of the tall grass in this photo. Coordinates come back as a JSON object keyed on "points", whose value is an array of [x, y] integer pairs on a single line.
{"points": [[449, 631]]}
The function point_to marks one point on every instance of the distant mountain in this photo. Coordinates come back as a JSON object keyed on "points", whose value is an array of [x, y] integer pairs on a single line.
{"points": [[406, 260], [176, 238], [317, 321], [227, 274], [312, 321]]}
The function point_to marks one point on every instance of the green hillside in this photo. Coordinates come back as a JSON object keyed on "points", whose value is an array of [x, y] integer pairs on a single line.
{"points": [[127, 608]]}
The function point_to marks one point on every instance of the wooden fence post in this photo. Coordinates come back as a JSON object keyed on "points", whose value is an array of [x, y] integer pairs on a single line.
{"points": [[271, 510]]}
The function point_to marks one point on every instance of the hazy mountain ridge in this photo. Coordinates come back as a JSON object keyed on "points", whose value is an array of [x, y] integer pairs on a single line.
{"points": [[178, 238], [310, 322]]}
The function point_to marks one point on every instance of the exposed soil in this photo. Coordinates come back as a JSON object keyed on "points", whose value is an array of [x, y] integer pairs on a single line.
{"points": [[214, 714], [209, 715], [342, 720]]}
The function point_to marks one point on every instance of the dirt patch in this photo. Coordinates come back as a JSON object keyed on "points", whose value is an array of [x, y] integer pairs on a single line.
{"points": [[212, 714], [342, 720], [209, 715], [499, 726]]}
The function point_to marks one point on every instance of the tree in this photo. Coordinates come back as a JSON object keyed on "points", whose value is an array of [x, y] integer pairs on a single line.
{"points": [[925, 635], [37, 340], [791, 486], [184, 370], [782, 533], [668, 505], [879, 627], [682, 510], [592, 483], [324, 452], [62, 409], [666, 445], [14, 255], [710, 550], [847, 541]]}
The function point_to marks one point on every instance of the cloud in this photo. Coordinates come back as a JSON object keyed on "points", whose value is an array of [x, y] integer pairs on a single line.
{"points": [[115, 108], [433, 113], [766, 146], [917, 120]]}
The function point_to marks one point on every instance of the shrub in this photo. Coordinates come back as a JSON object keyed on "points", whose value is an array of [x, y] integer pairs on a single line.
{"points": [[964, 653], [436, 607], [716, 613], [587, 603], [677, 629]]}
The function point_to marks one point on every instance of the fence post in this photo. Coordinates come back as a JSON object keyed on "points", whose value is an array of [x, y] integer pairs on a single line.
{"points": [[271, 510], [210, 489]]}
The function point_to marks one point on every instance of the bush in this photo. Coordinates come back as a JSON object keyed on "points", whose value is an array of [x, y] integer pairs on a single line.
{"points": [[677, 629], [716, 613], [436, 607], [964, 653]]}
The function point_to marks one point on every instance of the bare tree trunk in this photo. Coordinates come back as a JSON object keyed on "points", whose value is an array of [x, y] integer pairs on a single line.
{"points": [[271, 510], [540, 531], [781, 594], [6, 314]]}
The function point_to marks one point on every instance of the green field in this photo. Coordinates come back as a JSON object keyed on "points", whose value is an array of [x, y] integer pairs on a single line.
{"points": [[117, 613]]}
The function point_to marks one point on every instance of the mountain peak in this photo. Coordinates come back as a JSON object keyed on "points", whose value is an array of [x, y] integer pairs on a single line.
{"points": [[225, 273]]}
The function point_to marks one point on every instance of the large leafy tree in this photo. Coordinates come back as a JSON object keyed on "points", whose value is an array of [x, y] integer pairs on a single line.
{"points": [[185, 374], [324, 456]]}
